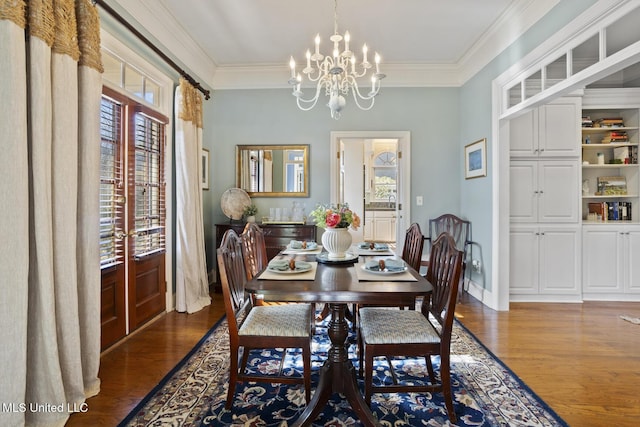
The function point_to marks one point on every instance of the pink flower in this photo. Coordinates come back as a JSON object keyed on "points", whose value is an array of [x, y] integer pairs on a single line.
{"points": [[333, 219]]}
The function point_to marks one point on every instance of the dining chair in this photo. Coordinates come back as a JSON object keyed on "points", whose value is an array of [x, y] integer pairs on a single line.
{"points": [[411, 254], [412, 334], [460, 230], [254, 249], [258, 327], [413, 246]]}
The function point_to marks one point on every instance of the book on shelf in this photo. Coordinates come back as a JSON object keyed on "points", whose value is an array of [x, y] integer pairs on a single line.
{"points": [[609, 122], [615, 137], [609, 211], [611, 186], [587, 122]]}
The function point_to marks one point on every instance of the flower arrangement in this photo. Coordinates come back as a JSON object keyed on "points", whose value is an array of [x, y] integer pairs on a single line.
{"points": [[335, 216]]}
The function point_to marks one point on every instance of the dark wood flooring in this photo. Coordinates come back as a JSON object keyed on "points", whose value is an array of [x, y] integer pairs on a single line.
{"points": [[582, 359]]}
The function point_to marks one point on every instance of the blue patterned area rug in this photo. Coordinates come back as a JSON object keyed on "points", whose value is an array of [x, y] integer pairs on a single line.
{"points": [[486, 392]]}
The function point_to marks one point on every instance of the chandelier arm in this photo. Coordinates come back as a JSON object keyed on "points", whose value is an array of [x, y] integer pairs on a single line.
{"points": [[372, 99], [356, 90], [313, 101]]}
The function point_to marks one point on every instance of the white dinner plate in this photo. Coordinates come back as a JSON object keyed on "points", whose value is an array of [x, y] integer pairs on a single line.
{"points": [[376, 270], [313, 248], [368, 248], [300, 268]]}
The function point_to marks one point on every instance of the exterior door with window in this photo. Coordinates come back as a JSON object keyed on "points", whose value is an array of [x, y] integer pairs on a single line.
{"points": [[132, 217]]}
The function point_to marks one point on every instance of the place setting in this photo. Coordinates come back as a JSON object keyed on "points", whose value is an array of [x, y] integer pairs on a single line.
{"points": [[383, 270], [289, 269], [372, 248], [302, 247]]}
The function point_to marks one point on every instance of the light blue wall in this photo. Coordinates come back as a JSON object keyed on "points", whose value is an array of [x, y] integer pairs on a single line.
{"points": [[234, 117], [475, 113]]}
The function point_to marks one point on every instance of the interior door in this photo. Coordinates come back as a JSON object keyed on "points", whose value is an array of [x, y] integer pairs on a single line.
{"points": [[351, 166]]}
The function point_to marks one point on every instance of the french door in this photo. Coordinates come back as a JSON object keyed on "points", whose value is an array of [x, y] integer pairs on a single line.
{"points": [[132, 215]]}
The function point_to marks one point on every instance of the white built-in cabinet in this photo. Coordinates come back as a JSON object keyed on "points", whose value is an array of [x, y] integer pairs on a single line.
{"points": [[545, 237], [544, 191], [611, 262], [611, 248], [380, 226], [546, 131], [557, 251], [543, 262]]}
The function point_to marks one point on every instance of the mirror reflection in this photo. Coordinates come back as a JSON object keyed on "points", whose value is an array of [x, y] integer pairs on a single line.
{"points": [[273, 170]]}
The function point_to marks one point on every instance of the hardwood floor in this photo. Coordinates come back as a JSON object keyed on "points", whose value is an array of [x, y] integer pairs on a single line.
{"points": [[582, 359]]}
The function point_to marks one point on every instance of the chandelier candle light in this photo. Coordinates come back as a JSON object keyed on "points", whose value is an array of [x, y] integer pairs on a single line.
{"points": [[338, 74]]}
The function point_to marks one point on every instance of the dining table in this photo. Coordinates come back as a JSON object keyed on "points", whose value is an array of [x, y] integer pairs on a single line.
{"points": [[338, 284]]}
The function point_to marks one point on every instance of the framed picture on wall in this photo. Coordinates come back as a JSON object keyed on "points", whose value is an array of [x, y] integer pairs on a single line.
{"points": [[475, 159], [205, 169]]}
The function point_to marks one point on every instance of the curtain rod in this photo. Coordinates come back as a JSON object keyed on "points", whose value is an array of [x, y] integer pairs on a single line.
{"points": [[153, 47]]}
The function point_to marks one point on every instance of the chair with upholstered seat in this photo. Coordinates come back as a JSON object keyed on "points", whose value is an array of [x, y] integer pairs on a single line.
{"points": [[254, 248], [411, 255], [256, 327], [459, 229], [415, 334], [413, 246]]}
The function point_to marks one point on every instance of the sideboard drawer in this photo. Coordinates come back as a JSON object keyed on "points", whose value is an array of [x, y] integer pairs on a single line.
{"points": [[289, 231]]}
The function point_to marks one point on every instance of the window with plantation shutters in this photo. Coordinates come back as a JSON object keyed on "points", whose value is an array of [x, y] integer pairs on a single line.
{"points": [[148, 185], [111, 183]]}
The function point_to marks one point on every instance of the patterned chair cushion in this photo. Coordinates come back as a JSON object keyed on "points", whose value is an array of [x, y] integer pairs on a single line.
{"points": [[381, 326], [290, 320]]}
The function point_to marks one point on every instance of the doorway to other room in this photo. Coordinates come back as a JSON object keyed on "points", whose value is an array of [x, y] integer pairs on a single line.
{"points": [[370, 174]]}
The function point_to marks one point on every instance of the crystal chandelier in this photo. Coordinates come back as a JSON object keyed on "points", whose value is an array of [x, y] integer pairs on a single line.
{"points": [[337, 74]]}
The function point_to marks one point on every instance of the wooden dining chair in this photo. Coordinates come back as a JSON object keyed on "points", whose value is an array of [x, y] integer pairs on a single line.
{"points": [[411, 254], [460, 230], [422, 333], [413, 245], [256, 327], [254, 249]]}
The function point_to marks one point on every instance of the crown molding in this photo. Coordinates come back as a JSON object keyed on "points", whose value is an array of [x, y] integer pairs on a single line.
{"points": [[276, 76], [154, 19], [512, 24]]}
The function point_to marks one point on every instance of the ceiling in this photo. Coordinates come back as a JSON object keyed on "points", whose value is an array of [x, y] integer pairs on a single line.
{"points": [[421, 42]]}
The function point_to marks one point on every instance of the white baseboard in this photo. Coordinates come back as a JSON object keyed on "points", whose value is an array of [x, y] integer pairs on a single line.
{"points": [[481, 294]]}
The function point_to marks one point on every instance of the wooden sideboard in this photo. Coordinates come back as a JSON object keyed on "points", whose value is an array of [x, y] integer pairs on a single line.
{"points": [[276, 237]]}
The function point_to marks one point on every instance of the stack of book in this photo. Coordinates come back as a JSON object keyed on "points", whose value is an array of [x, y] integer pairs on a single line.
{"points": [[587, 122], [615, 136], [609, 122], [610, 211]]}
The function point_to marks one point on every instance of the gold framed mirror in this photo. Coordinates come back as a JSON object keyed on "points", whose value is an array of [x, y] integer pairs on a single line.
{"points": [[273, 170]]}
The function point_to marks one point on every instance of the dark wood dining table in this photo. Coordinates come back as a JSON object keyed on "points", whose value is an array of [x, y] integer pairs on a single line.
{"points": [[337, 285]]}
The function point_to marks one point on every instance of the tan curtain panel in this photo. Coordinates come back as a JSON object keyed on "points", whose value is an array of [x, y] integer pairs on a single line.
{"points": [[192, 285], [49, 261]]}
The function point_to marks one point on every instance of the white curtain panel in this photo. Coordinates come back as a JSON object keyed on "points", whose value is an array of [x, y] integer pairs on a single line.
{"points": [[51, 327], [192, 285], [14, 226]]}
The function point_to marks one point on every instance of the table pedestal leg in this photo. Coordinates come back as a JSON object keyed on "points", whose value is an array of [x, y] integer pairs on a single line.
{"points": [[337, 375]]}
